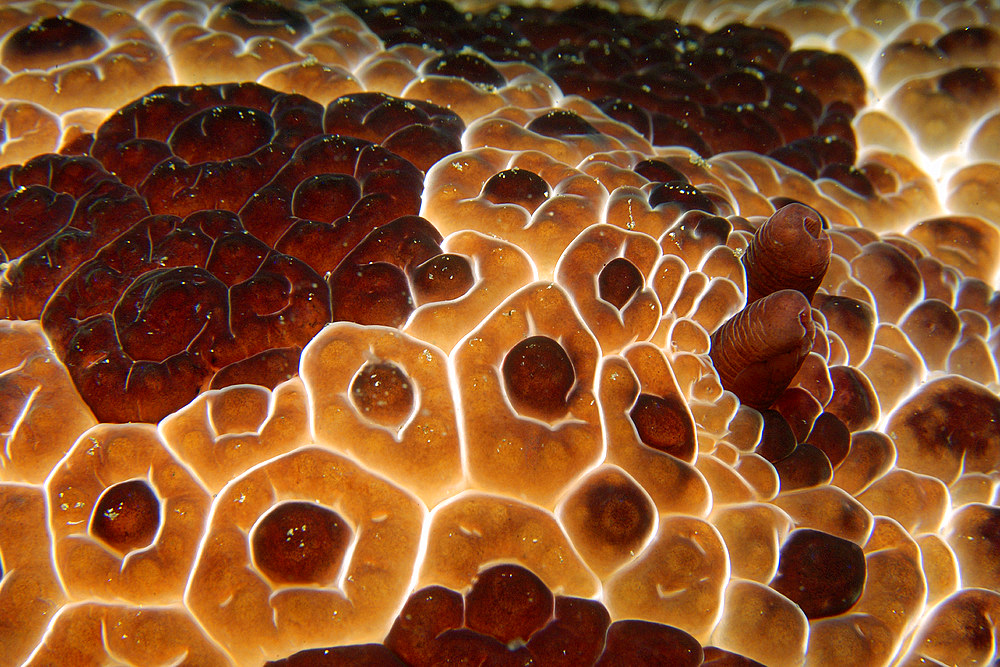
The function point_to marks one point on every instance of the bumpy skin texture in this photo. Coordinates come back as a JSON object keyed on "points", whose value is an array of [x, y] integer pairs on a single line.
{"points": [[514, 336], [252, 205], [78, 207], [511, 618], [700, 103]]}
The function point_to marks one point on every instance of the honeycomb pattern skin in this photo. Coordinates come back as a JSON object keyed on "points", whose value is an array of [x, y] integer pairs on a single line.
{"points": [[356, 334]]}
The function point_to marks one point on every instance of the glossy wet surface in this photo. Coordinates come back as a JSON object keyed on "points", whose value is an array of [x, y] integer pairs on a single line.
{"points": [[399, 334]]}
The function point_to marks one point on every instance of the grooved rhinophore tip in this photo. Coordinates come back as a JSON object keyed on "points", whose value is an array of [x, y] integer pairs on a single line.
{"points": [[789, 251]]}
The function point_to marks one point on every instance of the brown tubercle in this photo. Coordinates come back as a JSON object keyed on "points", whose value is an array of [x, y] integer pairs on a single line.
{"points": [[272, 619], [618, 282], [409, 403], [822, 573], [517, 186], [50, 41], [663, 423], [609, 518], [127, 516], [127, 519], [300, 543], [538, 376]]}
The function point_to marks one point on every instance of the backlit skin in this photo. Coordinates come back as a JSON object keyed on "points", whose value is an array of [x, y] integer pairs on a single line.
{"points": [[408, 334]]}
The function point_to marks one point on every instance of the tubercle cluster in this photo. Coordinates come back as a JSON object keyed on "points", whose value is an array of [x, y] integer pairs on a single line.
{"points": [[489, 336]]}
